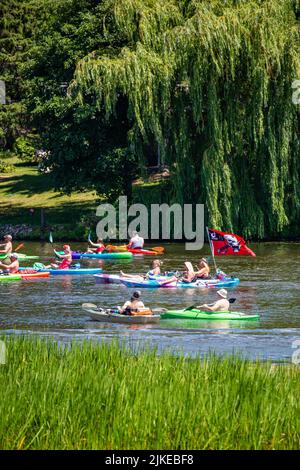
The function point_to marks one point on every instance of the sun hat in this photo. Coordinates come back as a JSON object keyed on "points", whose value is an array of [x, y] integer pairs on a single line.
{"points": [[14, 255], [222, 293], [8, 236]]}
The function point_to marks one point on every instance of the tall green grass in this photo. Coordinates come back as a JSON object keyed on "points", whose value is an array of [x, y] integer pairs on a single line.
{"points": [[100, 396]]}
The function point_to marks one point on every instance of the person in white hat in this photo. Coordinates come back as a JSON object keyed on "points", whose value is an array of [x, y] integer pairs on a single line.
{"points": [[221, 305], [14, 265]]}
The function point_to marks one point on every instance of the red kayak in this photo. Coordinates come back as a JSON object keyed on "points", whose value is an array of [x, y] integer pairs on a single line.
{"points": [[141, 251]]}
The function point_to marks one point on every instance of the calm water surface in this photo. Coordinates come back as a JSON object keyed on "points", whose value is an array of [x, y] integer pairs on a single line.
{"points": [[270, 286]]}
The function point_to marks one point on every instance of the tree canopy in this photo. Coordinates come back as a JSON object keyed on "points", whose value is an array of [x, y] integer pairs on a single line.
{"points": [[208, 82]]}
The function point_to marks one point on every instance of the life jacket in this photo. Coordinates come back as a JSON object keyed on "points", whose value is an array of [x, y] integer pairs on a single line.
{"points": [[65, 264], [138, 311]]}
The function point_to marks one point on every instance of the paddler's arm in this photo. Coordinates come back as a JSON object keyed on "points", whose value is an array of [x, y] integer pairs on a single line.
{"points": [[206, 307]]}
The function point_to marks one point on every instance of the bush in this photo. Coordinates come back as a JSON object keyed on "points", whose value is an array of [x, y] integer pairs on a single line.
{"points": [[6, 167], [25, 149]]}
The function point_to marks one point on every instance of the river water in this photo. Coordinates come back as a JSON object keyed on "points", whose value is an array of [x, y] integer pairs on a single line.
{"points": [[270, 286]]}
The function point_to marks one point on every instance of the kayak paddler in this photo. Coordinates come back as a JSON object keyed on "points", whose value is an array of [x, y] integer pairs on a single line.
{"points": [[136, 242], [203, 272], [221, 305], [133, 304], [98, 247], [7, 249], [13, 267], [66, 259]]}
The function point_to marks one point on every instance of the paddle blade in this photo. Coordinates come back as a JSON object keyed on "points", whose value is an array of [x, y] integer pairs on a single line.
{"points": [[19, 247], [158, 249], [89, 236], [88, 305], [50, 237]]}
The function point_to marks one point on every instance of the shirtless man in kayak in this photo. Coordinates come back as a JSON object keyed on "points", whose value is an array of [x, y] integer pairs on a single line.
{"points": [[133, 304], [7, 249], [221, 305], [136, 242], [14, 265]]}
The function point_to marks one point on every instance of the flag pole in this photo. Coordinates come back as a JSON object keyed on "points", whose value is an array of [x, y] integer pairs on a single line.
{"points": [[211, 249]]}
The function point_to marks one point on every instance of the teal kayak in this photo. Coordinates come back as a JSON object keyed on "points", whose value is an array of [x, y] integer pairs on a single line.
{"points": [[195, 314], [73, 271]]}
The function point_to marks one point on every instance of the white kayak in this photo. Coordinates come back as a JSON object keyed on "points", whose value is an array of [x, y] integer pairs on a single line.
{"points": [[111, 316]]}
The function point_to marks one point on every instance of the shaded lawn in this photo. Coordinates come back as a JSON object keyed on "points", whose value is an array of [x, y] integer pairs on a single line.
{"points": [[27, 189]]}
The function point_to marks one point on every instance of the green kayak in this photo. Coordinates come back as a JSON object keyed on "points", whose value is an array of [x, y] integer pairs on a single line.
{"points": [[195, 314], [21, 257], [10, 277]]}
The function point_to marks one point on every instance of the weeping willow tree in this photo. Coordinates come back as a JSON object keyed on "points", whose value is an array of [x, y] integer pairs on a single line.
{"points": [[210, 83]]}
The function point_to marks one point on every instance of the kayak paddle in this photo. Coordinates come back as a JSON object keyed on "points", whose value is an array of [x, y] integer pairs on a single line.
{"points": [[158, 249], [50, 238], [231, 301], [87, 305], [159, 310], [19, 247]]}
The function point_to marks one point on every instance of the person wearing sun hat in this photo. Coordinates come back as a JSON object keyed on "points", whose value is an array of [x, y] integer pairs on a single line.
{"points": [[221, 305], [13, 266]]}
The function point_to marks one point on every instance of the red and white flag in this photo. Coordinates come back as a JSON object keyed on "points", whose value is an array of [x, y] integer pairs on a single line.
{"points": [[228, 244]]}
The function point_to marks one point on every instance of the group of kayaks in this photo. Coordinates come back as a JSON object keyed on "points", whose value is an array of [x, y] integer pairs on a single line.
{"points": [[168, 280], [162, 282], [113, 316]]}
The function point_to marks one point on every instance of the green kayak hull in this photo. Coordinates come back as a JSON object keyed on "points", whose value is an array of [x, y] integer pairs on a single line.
{"points": [[21, 257], [195, 314], [10, 277]]}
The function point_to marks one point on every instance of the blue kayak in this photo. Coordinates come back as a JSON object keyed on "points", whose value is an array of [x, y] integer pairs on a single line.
{"points": [[204, 284], [68, 272]]}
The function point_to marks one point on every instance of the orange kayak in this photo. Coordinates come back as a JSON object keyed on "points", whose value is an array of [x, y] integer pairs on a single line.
{"points": [[35, 275]]}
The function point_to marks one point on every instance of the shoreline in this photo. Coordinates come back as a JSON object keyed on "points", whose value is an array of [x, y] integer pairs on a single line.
{"points": [[34, 233]]}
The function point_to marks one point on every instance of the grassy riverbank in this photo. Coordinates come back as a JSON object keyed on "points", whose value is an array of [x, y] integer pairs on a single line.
{"points": [[103, 397], [24, 192]]}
